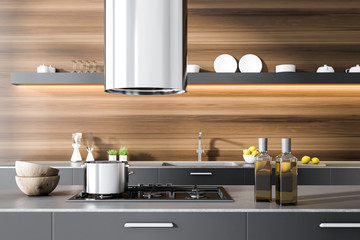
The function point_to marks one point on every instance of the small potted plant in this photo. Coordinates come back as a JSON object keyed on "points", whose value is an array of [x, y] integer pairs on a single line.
{"points": [[112, 155], [123, 152]]}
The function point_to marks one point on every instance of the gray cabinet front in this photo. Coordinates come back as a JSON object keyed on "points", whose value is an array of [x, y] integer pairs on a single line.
{"points": [[25, 226], [300, 226], [137, 226], [345, 176], [7, 176], [78, 176], [66, 176], [202, 176], [143, 175]]}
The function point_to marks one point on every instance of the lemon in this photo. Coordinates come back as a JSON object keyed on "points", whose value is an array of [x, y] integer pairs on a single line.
{"points": [[259, 165], [285, 166], [255, 152], [305, 159], [252, 148], [247, 152], [315, 160]]}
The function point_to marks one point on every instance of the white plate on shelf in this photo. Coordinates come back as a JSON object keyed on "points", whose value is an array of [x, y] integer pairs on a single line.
{"points": [[225, 63], [250, 63]]}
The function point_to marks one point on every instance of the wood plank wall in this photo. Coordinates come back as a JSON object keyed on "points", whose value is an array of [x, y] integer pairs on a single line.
{"points": [[36, 122]]}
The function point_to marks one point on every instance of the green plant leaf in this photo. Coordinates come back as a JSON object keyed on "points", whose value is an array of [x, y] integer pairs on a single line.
{"points": [[123, 151], [112, 152]]}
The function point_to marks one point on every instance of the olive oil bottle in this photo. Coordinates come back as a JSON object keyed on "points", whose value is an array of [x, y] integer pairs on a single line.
{"points": [[286, 175], [263, 173]]}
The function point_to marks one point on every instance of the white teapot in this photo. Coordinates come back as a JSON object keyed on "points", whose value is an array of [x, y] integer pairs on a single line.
{"points": [[325, 69], [355, 69]]}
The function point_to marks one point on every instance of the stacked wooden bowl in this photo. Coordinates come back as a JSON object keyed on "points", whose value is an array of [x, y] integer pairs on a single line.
{"points": [[36, 179]]}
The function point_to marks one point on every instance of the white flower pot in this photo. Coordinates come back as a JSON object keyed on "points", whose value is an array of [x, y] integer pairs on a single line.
{"points": [[123, 158], [112, 158]]}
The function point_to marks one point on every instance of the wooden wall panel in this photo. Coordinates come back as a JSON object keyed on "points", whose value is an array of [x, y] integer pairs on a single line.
{"points": [[36, 122]]}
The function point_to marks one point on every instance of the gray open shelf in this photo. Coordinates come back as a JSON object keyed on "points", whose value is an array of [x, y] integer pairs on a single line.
{"points": [[274, 78], [56, 78], [197, 78]]}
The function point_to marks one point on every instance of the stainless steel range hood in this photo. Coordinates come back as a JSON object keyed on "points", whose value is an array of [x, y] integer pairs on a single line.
{"points": [[145, 46]]}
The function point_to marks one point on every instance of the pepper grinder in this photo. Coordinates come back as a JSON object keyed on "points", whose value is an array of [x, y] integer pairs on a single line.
{"points": [[90, 156], [76, 156]]}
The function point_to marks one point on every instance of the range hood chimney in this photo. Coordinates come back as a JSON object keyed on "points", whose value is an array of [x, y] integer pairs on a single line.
{"points": [[145, 46]]}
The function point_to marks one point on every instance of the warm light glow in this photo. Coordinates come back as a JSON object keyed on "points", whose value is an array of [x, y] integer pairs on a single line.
{"points": [[231, 89]]}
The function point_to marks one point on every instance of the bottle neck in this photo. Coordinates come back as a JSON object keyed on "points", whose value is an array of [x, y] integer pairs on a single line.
{"points": [[286, 145], [262, 144]]}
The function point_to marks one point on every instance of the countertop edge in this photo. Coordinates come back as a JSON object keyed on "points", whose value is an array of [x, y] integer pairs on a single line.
{"points": [[186, 210], [158, 165]]}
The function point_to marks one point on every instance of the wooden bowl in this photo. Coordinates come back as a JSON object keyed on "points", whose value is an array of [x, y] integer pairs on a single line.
{"points": [[28, 169], [37, 186]]}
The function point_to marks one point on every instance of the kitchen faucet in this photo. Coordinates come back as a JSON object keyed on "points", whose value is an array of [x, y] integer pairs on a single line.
{"points": [[199, 150]]}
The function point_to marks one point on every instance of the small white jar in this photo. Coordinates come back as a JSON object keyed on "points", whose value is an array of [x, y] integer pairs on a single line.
{"points": [[52, 69], [43, 69]]}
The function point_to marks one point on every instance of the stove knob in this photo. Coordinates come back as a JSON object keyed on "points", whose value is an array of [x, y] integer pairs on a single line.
{"points": [[150, 184], [169, 184], [140, 184], [158, 184]]}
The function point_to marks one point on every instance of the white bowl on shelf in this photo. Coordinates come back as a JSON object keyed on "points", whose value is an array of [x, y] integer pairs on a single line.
{"points": [[249, 158]]}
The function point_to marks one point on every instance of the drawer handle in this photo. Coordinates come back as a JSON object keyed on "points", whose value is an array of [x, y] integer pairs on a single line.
{"points": [[339, 225], [149, 225], [201, 173]]}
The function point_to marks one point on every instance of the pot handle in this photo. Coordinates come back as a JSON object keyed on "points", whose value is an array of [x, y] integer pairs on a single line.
{"points": [[130, 172]]}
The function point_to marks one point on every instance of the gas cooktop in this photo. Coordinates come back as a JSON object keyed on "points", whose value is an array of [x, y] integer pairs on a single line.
{"points": [[158, 192]]}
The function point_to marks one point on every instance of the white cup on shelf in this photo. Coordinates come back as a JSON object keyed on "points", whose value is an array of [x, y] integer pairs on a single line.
{"points": [[285, 68], [192, 68]]}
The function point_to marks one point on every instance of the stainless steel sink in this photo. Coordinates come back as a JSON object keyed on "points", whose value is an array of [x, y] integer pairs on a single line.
{"points": [[200, 164]]}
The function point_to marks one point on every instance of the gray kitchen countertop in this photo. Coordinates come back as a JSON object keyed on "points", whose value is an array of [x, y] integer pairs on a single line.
{"points": [[311, 199], [158, 164]]}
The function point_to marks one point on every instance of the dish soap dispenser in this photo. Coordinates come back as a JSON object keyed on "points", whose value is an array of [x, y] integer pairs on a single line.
{"points": [[286, 175], [263, 173]]}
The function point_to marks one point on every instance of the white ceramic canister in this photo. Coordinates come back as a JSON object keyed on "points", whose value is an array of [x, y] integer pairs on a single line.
{"points": [[325, 69], [52, 69], [43, 69]]}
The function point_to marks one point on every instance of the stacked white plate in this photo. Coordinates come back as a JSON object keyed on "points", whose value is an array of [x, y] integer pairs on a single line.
{"points": [[250, 63], [225, 63]]}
